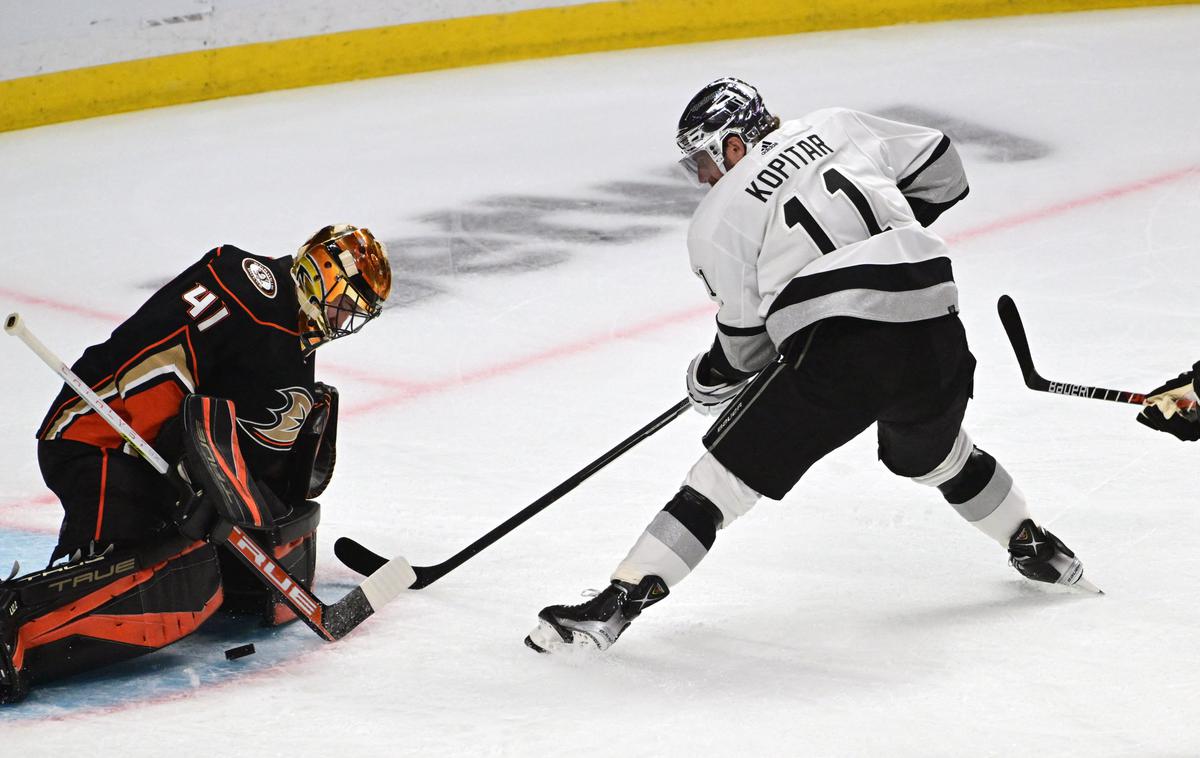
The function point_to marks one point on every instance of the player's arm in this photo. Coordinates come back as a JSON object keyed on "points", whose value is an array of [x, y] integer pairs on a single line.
{"points": [[924, 163], [167, 342], [742, 346], [144, 369]]}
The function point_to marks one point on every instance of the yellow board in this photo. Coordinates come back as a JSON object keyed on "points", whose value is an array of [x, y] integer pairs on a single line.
{"points": [[221, 72]]}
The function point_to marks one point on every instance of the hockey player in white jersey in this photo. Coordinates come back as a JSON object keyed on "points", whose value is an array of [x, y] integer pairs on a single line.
{"points": [[837, 310]]}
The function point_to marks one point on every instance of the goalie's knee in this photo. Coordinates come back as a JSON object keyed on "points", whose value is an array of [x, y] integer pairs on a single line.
{"points": [[292, 542], [111, 607]]}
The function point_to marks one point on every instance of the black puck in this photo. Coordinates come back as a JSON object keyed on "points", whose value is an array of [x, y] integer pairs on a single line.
{"points": [[241, 651]]}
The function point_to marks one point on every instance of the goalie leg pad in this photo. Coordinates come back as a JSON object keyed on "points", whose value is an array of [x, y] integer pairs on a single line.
{"points": [[292, 541], [109, 608]]}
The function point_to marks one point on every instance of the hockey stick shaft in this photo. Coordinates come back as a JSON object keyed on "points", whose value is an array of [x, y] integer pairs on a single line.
{"points": [[364, 561], [330, 621], [15, 326], [1010, 317]]}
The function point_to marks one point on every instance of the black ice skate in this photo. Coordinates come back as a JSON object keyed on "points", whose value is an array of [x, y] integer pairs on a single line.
{"points": [[13, 685], [1042, 557], [598, 622]]}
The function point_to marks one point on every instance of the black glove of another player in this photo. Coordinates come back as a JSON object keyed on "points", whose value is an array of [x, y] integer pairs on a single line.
{"points": [[1162, 414]]}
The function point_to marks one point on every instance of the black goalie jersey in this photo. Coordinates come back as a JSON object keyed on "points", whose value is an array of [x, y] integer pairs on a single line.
{"points": [[225, 327]]}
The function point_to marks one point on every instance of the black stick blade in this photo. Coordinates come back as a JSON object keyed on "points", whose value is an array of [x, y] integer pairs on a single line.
{"points": [[1011, 319], [356, 557]]}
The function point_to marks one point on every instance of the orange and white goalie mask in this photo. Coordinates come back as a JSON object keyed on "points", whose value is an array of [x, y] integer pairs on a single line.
{"points": [[343, 276]]}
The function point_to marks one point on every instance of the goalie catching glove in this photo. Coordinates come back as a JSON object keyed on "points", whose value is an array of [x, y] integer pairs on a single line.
{"points": [[1162, 412]]}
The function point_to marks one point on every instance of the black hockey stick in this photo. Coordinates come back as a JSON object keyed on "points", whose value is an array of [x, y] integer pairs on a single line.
{"points": [[1035, 381], [364, 561], [332, 621]]}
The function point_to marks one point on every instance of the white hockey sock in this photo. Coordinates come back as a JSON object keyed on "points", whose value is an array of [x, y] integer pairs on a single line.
{"points": [[723, 489], [979, 488], [681, 533]]}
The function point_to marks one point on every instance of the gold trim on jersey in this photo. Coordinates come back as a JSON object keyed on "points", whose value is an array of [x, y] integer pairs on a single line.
{"points": [[171, 360]]}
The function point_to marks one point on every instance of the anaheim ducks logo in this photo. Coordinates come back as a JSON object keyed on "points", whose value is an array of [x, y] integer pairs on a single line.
{"points": [[286, 421], [260, 276]]}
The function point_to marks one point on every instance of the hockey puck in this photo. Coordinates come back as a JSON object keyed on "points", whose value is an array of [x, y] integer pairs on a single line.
{"points": [[241, 651]]}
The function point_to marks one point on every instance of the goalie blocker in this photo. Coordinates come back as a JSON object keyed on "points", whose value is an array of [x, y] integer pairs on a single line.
{"points": [[215, 486], [120, 604]]}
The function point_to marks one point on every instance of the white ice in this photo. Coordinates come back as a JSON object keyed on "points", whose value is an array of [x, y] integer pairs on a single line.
{"points": [[543, 323]]}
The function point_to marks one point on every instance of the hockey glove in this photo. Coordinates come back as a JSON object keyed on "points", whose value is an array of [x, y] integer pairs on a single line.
{"points": [[194, 514], [315, 452], [707, 389], [1163, 414]]}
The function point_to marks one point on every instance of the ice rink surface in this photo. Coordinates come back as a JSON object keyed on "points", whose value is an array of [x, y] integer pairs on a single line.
{"points": [[546, 311]]}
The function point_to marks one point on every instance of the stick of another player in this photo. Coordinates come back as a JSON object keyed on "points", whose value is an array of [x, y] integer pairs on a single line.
{"points": [[1011, 318], [365, 561], [333, 621]]}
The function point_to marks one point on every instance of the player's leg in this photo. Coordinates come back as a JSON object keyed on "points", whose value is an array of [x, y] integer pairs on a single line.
{"points": [[921, 437], [108, 497], [122, 582], [790, 416]]}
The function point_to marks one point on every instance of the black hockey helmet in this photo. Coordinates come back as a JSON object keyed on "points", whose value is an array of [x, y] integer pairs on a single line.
{"points": [[725, 107]]}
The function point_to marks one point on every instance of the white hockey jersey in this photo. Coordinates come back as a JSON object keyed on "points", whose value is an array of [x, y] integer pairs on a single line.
{"points": [[825, 217]]}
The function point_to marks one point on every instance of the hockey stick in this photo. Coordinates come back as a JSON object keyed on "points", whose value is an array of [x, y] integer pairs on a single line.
{"points": [[1035, 381], [364, 561], [330, 621]]}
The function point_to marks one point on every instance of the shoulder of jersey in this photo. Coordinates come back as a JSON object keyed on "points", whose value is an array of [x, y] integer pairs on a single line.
{"points": [[256, 284], [792, 128]]}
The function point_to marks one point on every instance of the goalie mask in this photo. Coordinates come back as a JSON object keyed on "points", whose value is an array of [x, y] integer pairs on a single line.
{"points": [[342, 276], [724, 108]]}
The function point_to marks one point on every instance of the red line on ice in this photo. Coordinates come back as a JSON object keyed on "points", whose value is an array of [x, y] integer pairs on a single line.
{"points": [[1070, 205], [59, 305], [404, 390]]}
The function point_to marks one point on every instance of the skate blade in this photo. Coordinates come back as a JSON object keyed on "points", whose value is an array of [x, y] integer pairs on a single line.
{"points": [[1083, 584], [545, 638]]}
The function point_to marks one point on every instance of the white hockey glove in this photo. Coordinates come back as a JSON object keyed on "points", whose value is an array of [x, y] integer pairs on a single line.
{"points": [[709, 399]]}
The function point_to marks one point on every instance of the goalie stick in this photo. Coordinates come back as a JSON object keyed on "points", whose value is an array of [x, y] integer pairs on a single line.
{"points": [[332, 621], [1011, 319], [365, 561]]}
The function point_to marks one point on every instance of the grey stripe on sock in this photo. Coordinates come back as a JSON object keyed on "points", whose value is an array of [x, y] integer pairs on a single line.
{"points": [[668, 530], [989, 498]]}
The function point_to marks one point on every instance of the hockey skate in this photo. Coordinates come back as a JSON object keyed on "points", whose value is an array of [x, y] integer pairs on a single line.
{"points": [[1042, 557], [598, 622]]}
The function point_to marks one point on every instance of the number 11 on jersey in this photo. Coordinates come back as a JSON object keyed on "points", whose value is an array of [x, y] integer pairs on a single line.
{"points": [[795, 214]]}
